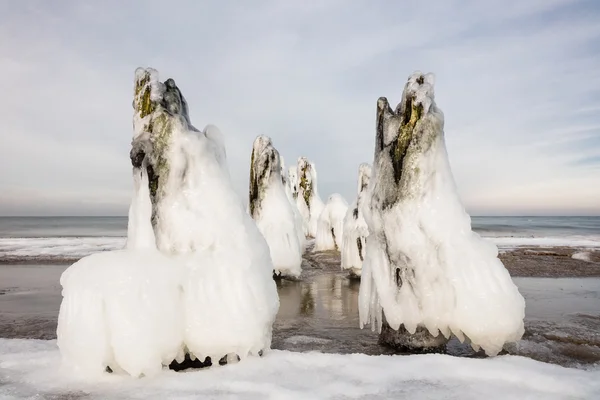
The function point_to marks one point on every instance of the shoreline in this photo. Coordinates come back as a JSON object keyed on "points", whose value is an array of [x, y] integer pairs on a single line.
{"points": [[521, 261], [551, 262]]}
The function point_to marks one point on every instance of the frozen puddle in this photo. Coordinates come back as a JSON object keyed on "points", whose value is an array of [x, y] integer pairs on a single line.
{"points": [[30, 368]]}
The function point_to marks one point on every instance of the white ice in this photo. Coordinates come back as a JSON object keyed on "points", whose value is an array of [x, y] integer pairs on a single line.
{"points": [[49, 248], [567, 241], [308, 201], [274, 213], [123, 308], [30, 369], [207, 285], [355, 230], [582, 255], [293, 182], [330, 225], [56, 247], [451, 278]]}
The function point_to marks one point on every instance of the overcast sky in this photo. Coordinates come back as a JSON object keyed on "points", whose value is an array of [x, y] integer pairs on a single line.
{"points": [[518, 82]]}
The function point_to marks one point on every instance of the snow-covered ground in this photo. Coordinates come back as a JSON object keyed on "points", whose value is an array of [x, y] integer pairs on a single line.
{"points": [[30, 369]]}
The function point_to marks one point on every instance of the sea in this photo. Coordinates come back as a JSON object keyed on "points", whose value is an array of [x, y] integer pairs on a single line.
{"points": [[64, 239]]}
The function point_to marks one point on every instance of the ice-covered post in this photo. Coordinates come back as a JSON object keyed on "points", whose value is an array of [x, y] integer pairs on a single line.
{"points": [[426, 275], [355, 227], [256, 192], [309, 202], [272, 210], [158, 109]]}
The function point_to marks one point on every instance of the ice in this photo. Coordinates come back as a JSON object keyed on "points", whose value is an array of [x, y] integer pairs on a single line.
{"points": [[121, 309], [424, 267], [51, 248], [292, 192], [567, 241], [330, 225], [581, 255], [29, 369], [308, 201], [293, 182], [272, 210], [196, 275], [355, 228]]}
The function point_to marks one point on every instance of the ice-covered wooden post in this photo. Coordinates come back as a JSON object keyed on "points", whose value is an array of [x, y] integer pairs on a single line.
{"points": [[426, 275], [158, 109], [272, 210], [355, 227], [257, 189], [308, 200]]}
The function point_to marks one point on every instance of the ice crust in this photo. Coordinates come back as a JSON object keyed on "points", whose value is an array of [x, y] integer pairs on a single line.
{"points": [[330, 225], [29, 369], [355, 227], [308, 201], [424, 265], [197, 280], [272, 210]]}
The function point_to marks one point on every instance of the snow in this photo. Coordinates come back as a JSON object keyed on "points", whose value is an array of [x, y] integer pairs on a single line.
{"points": [[581, 255], [355, 227], [568, 241], [121, 309], [273, 212], [30, 368], [451, 280], [57, 247], [308, 201], [199, 280], [330, 226]]}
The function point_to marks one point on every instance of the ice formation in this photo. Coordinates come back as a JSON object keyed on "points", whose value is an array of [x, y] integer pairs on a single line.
{"points": [[272, 210], [355, 228], [330, 225], [293, 182], [196, 275], [424, 267], [284, 178], [308, 201]]}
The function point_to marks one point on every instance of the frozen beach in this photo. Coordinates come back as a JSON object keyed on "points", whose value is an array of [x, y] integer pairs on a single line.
{"points": [[319, 351]]}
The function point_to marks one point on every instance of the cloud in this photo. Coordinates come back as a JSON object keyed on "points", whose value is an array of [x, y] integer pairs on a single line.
{"points": [[518, 82]]}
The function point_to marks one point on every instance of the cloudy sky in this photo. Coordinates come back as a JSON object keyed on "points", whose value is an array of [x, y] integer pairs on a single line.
{"points": [[518, 81]]}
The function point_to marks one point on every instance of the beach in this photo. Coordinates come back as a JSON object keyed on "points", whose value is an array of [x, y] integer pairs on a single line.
{"points": [[554, 262], [556, 270], [320, 311]]}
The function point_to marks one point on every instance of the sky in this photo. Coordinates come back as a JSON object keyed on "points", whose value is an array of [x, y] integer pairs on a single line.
{"points": [[518, 82]]}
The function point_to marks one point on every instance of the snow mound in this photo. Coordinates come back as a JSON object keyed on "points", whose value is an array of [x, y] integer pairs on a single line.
{"points": [[424, 266], [355, 230], [308, 201], [28, 369], [196, 275], [582, 255], [272, 210], [330, 225]]}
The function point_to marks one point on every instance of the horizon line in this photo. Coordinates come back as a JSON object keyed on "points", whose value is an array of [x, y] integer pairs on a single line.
{"points": [[470, 215]]}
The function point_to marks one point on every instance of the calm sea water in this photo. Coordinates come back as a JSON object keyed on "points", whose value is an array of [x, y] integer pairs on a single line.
{"points": [[58, 238]]}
